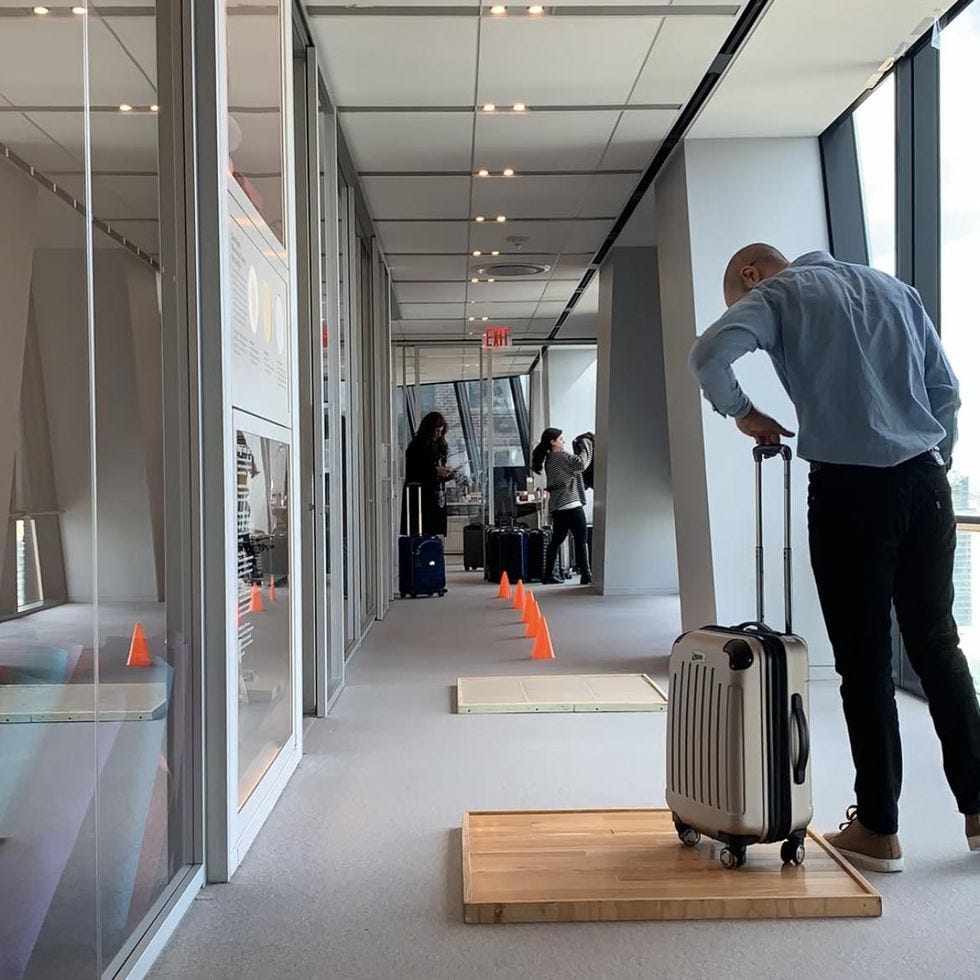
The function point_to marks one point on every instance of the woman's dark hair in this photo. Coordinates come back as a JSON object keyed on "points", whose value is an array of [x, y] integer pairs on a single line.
{"points": [[542, 449], [426, 435]]}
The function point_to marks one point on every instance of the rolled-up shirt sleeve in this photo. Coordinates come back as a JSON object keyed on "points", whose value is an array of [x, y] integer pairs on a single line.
{"points": [[941, 386], [750, 324]]}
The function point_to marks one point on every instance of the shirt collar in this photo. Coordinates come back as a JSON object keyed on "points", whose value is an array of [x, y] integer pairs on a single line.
{"points": [[813, 258]]}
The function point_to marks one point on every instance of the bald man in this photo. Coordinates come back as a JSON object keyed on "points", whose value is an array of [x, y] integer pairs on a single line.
{"points": [[876, 401]]}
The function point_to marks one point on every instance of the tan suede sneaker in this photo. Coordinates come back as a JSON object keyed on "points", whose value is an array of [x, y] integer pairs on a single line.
{"points": [[865, 849], [973, 831]]}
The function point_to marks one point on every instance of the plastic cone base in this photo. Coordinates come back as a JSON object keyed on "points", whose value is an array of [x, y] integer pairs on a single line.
{"points": [[504, 591], [255, 604], [543, 650], [520, 596], [139, 650]]}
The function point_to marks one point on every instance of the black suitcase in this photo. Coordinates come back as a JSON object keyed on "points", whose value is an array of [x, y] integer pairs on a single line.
{"points": [[537, 548], [506, 551], [473, 542], [421, 557]]}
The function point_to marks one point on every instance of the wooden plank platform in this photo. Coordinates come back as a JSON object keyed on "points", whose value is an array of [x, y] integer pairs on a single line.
{"points": [[628, 865], [558, 692], [40, 703]]}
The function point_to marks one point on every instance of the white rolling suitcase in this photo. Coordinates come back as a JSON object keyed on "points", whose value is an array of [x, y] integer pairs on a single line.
{"points": [[738, 743]]}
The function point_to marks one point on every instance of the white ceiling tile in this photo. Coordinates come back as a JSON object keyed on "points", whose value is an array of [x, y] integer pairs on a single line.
{"points": [[417, 197], [558, 61], [421, 267], [487, 292], [573, 266], [542, 140], [139, 35], [253, 59], [432, 311], [36, 146], [430, 292], [637, 137], [549, 197], [560, 290], [398, 60], [409, 141], [542, 236], [551, 309], [28, 46], [113, 76], [502, 312], [423, 236], [685, 48]]}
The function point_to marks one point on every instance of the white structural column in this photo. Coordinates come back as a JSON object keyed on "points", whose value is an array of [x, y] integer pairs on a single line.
{"points": [[18, 200], [634, 541], [714, 197]]}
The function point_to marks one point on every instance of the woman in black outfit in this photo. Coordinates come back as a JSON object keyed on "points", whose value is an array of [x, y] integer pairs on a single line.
{"points": [[566, 492], [425, 464]]}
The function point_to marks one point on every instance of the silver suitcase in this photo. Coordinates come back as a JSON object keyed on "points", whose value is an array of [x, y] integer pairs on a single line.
{"points": [[738, 742]]}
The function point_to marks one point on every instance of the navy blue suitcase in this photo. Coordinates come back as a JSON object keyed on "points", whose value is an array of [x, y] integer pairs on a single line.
{"points": [[421, 557], [507, 551]]}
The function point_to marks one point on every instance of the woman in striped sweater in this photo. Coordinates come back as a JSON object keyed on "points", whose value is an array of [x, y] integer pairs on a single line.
{"points": [[566, 489]]}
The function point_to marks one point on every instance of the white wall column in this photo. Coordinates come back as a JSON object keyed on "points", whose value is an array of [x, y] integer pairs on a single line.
{"points": [[634, 542], [714, 197]]}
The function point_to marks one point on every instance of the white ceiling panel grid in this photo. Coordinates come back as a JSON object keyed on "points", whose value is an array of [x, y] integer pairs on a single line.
{"points": [[388, 61], [433, 292], [421, 267], [636, 139], [504, 291], [551, 197], [417, 197], [423, 236], [542, 236], [408, 141], [556, 61]]}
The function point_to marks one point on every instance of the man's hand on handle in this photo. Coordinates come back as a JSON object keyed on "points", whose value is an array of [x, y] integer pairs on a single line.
{"points": [[765, 430]]}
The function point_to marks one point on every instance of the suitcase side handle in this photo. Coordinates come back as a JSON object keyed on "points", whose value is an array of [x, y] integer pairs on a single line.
{"points": [[803, 734], [759, 454]]}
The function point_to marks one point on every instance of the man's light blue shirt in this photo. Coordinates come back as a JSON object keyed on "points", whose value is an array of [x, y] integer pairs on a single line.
{"points": [[857, 354]]}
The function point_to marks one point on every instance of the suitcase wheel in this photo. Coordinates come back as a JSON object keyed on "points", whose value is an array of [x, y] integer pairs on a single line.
{"points": [[442, 592], [793, 852], [689, 836], [733, 858]]}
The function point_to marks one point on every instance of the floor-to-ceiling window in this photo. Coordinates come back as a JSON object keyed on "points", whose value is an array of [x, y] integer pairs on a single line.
{"points": [[874, 129], [960, 251], [97, 653]]}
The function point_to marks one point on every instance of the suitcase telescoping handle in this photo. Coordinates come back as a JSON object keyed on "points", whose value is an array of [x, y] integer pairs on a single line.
{"points": [[411, 488], [759, 454]]}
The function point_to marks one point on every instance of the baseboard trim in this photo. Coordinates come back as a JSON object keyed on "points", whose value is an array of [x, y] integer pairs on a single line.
{"points": [[653, 593]]}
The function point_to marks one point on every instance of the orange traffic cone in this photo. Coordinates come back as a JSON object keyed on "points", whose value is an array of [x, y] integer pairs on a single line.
{"points": [[504, 591], [533, 619], [528, 606], [543, 650], [272, 588], [520, 597], [139, 649], [256, 605]]}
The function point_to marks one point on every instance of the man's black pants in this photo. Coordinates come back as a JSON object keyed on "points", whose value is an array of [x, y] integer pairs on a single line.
{"points": [[878, 537]]}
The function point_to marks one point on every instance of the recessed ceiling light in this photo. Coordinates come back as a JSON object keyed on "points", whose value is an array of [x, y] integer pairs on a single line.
{"points": [[489, 107], [535, 9], [474, 279], [472, 319], [520, 107], [491, 280], [483, 173], [495, 252], [125, 107], [41, 11], [497, 9], [501, 218], [154, 108], [480, 219], [508, 172], [477, 253], [79, 11], [484, 318]]}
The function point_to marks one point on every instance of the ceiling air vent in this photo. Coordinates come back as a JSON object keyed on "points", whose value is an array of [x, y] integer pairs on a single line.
{"points": [[503, 270]]}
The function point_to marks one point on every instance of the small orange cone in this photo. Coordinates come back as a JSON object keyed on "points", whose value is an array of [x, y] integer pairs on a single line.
{"points": [[256, 605], [272, 588], [504, 591], [139, 649], [543, 650], [520, 597], [534, 619], [528, 605]]}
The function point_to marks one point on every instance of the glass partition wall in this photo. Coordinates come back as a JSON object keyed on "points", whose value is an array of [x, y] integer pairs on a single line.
{"points": [[99, 665]]}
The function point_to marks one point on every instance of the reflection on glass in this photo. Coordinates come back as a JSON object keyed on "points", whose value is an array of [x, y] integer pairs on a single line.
{"points": [[255, 131], [368, 442], [960, 202], [265, 717], [343, 339], [874, 127]]}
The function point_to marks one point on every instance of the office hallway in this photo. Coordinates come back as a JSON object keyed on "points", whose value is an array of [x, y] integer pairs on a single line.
{"points": [[356, 875]]}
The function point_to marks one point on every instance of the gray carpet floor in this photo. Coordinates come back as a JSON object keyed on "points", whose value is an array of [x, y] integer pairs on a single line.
{"points": [[357, 872]]}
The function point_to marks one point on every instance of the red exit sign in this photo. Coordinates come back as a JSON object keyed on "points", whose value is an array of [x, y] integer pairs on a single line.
{"points": [[496, 337]]}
